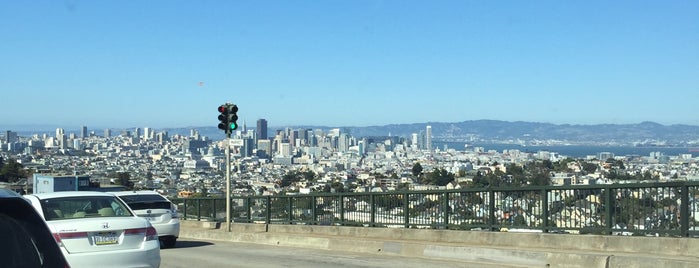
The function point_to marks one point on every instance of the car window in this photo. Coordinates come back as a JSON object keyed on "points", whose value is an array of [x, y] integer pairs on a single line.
{"points": [[141, 201], [83, 207]]}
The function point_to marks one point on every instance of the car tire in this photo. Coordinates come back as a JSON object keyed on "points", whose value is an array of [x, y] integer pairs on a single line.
{"points": [[168, 242]]}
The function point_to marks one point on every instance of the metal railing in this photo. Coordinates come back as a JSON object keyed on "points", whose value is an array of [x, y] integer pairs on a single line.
{"points": [[660, 209]]}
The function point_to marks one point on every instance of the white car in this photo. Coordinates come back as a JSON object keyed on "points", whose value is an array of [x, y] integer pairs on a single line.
{"points": [[96, 229], [158, 210]]}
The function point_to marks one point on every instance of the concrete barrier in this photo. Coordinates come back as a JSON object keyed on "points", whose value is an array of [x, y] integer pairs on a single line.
{"points": [[513, 249]]}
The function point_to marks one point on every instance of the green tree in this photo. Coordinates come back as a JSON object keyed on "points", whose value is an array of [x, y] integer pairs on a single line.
{"points": [[292, 177], [517, 173], [439, 177], [589, 168], [562, 165], [417, 169], [12, 171], [338, 187], [124, 179], [488, 179], [539, 173], [403, 187], [620, 164], [462, 173]]}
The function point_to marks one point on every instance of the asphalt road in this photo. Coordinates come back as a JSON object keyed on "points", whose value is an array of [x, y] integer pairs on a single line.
{"points": [[198, 253]]}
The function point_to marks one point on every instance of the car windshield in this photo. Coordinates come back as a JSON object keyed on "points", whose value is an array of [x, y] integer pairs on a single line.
{"points": [[83, 207], [141, 201]]}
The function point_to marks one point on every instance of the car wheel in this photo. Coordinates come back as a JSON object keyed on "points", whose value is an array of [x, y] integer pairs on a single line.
{"points": [[168, 242]]}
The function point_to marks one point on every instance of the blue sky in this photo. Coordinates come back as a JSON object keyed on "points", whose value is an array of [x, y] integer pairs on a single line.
{"points": [[348, 63]]}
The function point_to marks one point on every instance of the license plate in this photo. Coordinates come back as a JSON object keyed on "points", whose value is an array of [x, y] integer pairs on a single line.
{"points": [[105, 238], [150, 218]]}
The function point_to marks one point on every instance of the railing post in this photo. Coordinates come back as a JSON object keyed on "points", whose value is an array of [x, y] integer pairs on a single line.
{"points": [[290, 207], [545, 210], [342, 209], [199, 209], [609, 208], [491, 208], [213, 210], [684, 210], [268, 210], [185, 208], [314, 204], [248, 207], [445, 203], [372, 201], [406, 209], [230, 204]]}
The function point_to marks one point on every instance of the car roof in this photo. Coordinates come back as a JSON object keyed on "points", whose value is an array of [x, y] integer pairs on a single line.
{"points": [[142, 192], [70, 194]]}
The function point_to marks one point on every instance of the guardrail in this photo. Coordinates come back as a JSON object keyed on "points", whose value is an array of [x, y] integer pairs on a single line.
{"points": [[659, 209]]}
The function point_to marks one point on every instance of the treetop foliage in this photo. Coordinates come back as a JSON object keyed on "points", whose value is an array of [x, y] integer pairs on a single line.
{"points": [[12, 171]]}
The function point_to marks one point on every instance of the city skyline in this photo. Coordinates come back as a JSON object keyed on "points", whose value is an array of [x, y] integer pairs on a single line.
{"points": [[361, 63]]}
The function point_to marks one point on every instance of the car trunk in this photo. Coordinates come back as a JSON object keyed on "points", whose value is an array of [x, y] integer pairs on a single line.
{"points": [[155, 216], [100, 234]]}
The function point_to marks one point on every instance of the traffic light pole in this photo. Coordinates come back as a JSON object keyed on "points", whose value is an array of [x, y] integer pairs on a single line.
{"points": [[228, 122], [228, 182]]}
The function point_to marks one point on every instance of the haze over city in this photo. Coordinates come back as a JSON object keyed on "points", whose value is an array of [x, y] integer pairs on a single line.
{"points": [[347, 63]]}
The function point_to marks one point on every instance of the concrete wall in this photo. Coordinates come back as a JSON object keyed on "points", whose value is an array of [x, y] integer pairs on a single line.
{"points": [[525, 249]]}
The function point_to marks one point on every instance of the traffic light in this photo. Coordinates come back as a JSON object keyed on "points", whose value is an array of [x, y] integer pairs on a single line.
{"points": [[233, 117], [228, 119]]}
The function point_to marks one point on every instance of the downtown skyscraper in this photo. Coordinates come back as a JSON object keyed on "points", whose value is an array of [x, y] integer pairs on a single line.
{"points": [[428, 138], [261, 129]]}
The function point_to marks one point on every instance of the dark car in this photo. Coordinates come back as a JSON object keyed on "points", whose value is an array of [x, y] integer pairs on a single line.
{"points": [[25, 238]]}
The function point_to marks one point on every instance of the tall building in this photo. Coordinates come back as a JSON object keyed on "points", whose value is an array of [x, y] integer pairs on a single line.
{"points": [[311, 139], [605, 155], [264, 148], [10, 136], [62, 140], [293, 135], [248, 147], [107, 133], [83, 132], [77, 144], [343, 143], [59, 133], [428, 138], [162, 137], [285, 149], [261, 129], [414, 140], [147, 133]]}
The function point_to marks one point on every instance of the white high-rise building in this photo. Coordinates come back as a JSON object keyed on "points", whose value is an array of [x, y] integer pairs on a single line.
{"points": [[414, 140], [147, 133], [428, 138], [285, 149]]}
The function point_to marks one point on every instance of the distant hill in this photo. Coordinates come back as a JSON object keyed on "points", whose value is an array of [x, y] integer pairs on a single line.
{"points": [[644, 133]]}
